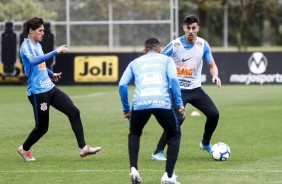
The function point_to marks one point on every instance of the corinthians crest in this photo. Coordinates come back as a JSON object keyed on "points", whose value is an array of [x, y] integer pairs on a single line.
{"points": [[43, 106]]}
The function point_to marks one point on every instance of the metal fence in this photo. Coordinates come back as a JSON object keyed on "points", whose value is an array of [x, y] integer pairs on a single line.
{"points": [[110, 25]]}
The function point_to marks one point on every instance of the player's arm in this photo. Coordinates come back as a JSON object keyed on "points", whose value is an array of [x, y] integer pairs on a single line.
{"points": [[168, 50], [123, 90], [35, 60], [214, 73], [54, 76], [212, 66]]}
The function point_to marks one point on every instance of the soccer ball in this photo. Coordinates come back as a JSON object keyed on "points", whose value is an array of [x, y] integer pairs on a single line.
{"points": [[220, 151]]}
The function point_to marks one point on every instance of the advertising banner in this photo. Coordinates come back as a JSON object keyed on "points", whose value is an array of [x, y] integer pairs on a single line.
{"points": [[106, 68], [92, 68], [246, 68]]}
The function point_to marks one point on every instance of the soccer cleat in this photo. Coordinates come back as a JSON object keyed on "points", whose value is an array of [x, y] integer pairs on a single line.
{"points": [[207, 148], [166, 180], [135, 177], [27, 155], [87, 150], [159, 156]]}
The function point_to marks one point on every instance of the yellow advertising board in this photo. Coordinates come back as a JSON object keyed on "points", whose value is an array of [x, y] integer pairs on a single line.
{"points": [[95, 69], [11, 78]]}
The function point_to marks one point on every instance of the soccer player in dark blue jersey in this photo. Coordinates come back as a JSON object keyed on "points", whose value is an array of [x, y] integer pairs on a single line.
{"points": [[42, 92]]}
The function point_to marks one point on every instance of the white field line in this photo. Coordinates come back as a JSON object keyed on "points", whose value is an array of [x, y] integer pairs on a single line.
{"points": [[197, 170]]}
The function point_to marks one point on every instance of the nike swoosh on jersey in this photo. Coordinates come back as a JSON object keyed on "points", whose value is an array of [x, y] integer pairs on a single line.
{"points": [[183, 60]]}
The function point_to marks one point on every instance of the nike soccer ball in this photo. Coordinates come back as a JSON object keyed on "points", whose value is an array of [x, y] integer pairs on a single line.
{"points": [[220, 151]]}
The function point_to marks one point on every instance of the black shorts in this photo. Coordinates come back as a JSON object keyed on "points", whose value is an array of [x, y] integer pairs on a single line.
{"points": [[167, 118]]}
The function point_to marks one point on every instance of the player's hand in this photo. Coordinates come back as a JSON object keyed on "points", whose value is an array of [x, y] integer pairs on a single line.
{"points": [[56, 77], [181, 110], [62, 49], [217, 81], [127, 115]]}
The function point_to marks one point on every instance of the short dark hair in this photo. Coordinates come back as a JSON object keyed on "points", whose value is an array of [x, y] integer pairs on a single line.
{"points": [[33, 23], [151, 43], [190, 19]]}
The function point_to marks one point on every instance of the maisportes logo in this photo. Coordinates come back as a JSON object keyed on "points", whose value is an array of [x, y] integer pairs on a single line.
{"points": [[257, 63]]}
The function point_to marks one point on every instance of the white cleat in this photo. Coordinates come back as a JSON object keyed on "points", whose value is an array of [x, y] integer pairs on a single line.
{"points": [[27, 155], [87, 150], [135, 177], [166, 180], [158, 157]]}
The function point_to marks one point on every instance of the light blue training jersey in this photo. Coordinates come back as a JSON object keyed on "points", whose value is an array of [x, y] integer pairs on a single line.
{"points": [[33, 60], [154, 73], [189, 60]]}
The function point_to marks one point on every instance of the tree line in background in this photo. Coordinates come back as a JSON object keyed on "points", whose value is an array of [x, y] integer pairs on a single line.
{"points": [[250, 22]]}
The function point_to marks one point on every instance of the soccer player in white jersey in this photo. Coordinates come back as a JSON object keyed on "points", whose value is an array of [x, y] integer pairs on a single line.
{"points": [[154, 74], [188, 53], [42, 92]]}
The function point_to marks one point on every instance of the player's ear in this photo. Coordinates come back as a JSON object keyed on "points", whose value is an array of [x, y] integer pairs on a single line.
{"points": [[30, 31], [159, 49], [145, 51]]}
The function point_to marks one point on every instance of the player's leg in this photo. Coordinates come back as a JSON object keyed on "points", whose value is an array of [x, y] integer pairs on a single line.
{"points": [[158, 153], [137, 122], [63, 103], [168, 120], [205, 104], [40, 104]]}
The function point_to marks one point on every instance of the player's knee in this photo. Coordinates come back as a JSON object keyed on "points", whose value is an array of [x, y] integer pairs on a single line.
{"points": [[174, 134], [214, 115], [73, 112], [42, 130]]}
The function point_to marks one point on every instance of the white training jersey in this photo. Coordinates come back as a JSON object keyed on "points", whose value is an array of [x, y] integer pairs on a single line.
{"points": [[189, 60]]}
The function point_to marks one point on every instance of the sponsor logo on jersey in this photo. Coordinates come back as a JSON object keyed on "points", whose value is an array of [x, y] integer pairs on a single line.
{"points": [[95, 68], [199, 43], [152, 102], [150, 92], [184, 83], [184, 60], [184, 72], [176, 44], [42, 66], [46, 83], [150, 78]]}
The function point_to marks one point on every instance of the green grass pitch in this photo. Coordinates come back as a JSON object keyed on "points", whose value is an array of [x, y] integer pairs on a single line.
{"points": [[250, 123]]}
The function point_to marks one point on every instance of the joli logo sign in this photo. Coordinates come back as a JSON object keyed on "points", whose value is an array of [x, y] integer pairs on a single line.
{"points": [[96, 69]]}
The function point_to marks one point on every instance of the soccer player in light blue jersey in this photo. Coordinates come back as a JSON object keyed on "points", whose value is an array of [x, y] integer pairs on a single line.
{"points": [[154, 76], [42, 92], [188, 53]]}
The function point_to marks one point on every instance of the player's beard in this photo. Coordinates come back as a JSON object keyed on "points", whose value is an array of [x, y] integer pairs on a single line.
{"points": [[190, 38]]}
